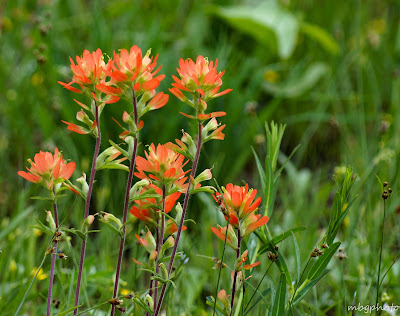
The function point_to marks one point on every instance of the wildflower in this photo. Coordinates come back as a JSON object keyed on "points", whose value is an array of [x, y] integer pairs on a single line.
{"points": [[89, 71], [202, 80], [162, 165], [239, 201], [146, 209], [48, 169], [131, 70], [200, 77]]}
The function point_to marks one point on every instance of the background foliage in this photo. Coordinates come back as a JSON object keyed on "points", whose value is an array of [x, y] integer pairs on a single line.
{"points": [[330, 70]]}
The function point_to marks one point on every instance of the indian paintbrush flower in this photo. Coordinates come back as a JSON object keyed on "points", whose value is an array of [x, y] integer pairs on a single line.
{"points": [[48, 169]]}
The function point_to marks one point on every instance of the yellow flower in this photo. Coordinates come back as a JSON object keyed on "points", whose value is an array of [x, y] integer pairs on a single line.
{"points": [[40, 276]]}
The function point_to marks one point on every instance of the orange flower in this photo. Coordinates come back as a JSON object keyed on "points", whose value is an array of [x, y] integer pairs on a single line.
{"points": [[146, 209], [130, 69], [202, 80], [239, 201], [163, 165], [48, 169], [200, 77], [88, 72], [240, 205]]}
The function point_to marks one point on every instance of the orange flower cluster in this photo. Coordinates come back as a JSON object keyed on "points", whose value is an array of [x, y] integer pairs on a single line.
{"points": [[128, 74], [162, 165], [202, 80], [239, 207], [48, 169]]}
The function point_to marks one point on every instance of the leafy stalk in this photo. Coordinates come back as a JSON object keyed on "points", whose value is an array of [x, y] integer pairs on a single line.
{"points": [[235, 273], [185, 206], [126, 205], [53, 260], [87, 205]]}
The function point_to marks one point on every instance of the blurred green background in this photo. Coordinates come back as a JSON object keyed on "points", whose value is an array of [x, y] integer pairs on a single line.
{"points": [[330, 70]]}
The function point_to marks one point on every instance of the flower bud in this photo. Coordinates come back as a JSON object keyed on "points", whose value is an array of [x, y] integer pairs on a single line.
{"points": [[50, 220], [149, 300], [111, 218], [88, 221]]}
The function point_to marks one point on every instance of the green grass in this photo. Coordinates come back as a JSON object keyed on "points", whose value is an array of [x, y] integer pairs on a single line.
{"points": [[345, 115]]}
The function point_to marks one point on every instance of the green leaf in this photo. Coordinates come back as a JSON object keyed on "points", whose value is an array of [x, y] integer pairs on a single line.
{"points": [[112, 227], [321, 36], [260, 169], [277, 239], [319, 266], [42, 227], [268, 23], [308, 285], [74, 231], [42, 198], [124, 152], [297, 252], [299, 84], [207, 188], [278, 309]]}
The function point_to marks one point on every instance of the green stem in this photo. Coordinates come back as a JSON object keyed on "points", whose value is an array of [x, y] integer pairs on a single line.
{"points": [[220, 268], [380, 255], [265, 274]]}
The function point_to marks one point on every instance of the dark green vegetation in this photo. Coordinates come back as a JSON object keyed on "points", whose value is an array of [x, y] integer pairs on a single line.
{"points": [[330, 70]]}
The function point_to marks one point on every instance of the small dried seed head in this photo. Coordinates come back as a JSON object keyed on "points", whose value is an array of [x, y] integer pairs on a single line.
{"points": [[276, 248], [57, 233], [385, 195], [121, 309], [115, 301], [56, 303], [385, 184], [390, 190], [316, 252], [129, 296], [49, 251], [272, 256], [342, 256], [56, 239], [324, 246], [62, 255]]}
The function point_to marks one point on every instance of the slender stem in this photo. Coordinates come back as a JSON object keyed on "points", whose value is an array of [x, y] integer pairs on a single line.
{"points": [[235, 274], [29, 287], [53, 261], [126, 206], [185, 205], [87, 205], [380, 255], [160, 240], [220, 268], [298, 282], [265, 274]]}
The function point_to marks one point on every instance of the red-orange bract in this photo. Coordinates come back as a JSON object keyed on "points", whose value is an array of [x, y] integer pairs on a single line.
{"points": [[132, 70], [201, 77], [88, 71], [241, 203], [162, 165], [48, 169], [145, 209]]}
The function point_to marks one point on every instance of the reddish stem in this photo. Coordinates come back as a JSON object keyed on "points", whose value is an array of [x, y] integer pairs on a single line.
{"points": [[126, 206], [160, 240], [87, 206], [53, 262], [185, 205]]}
